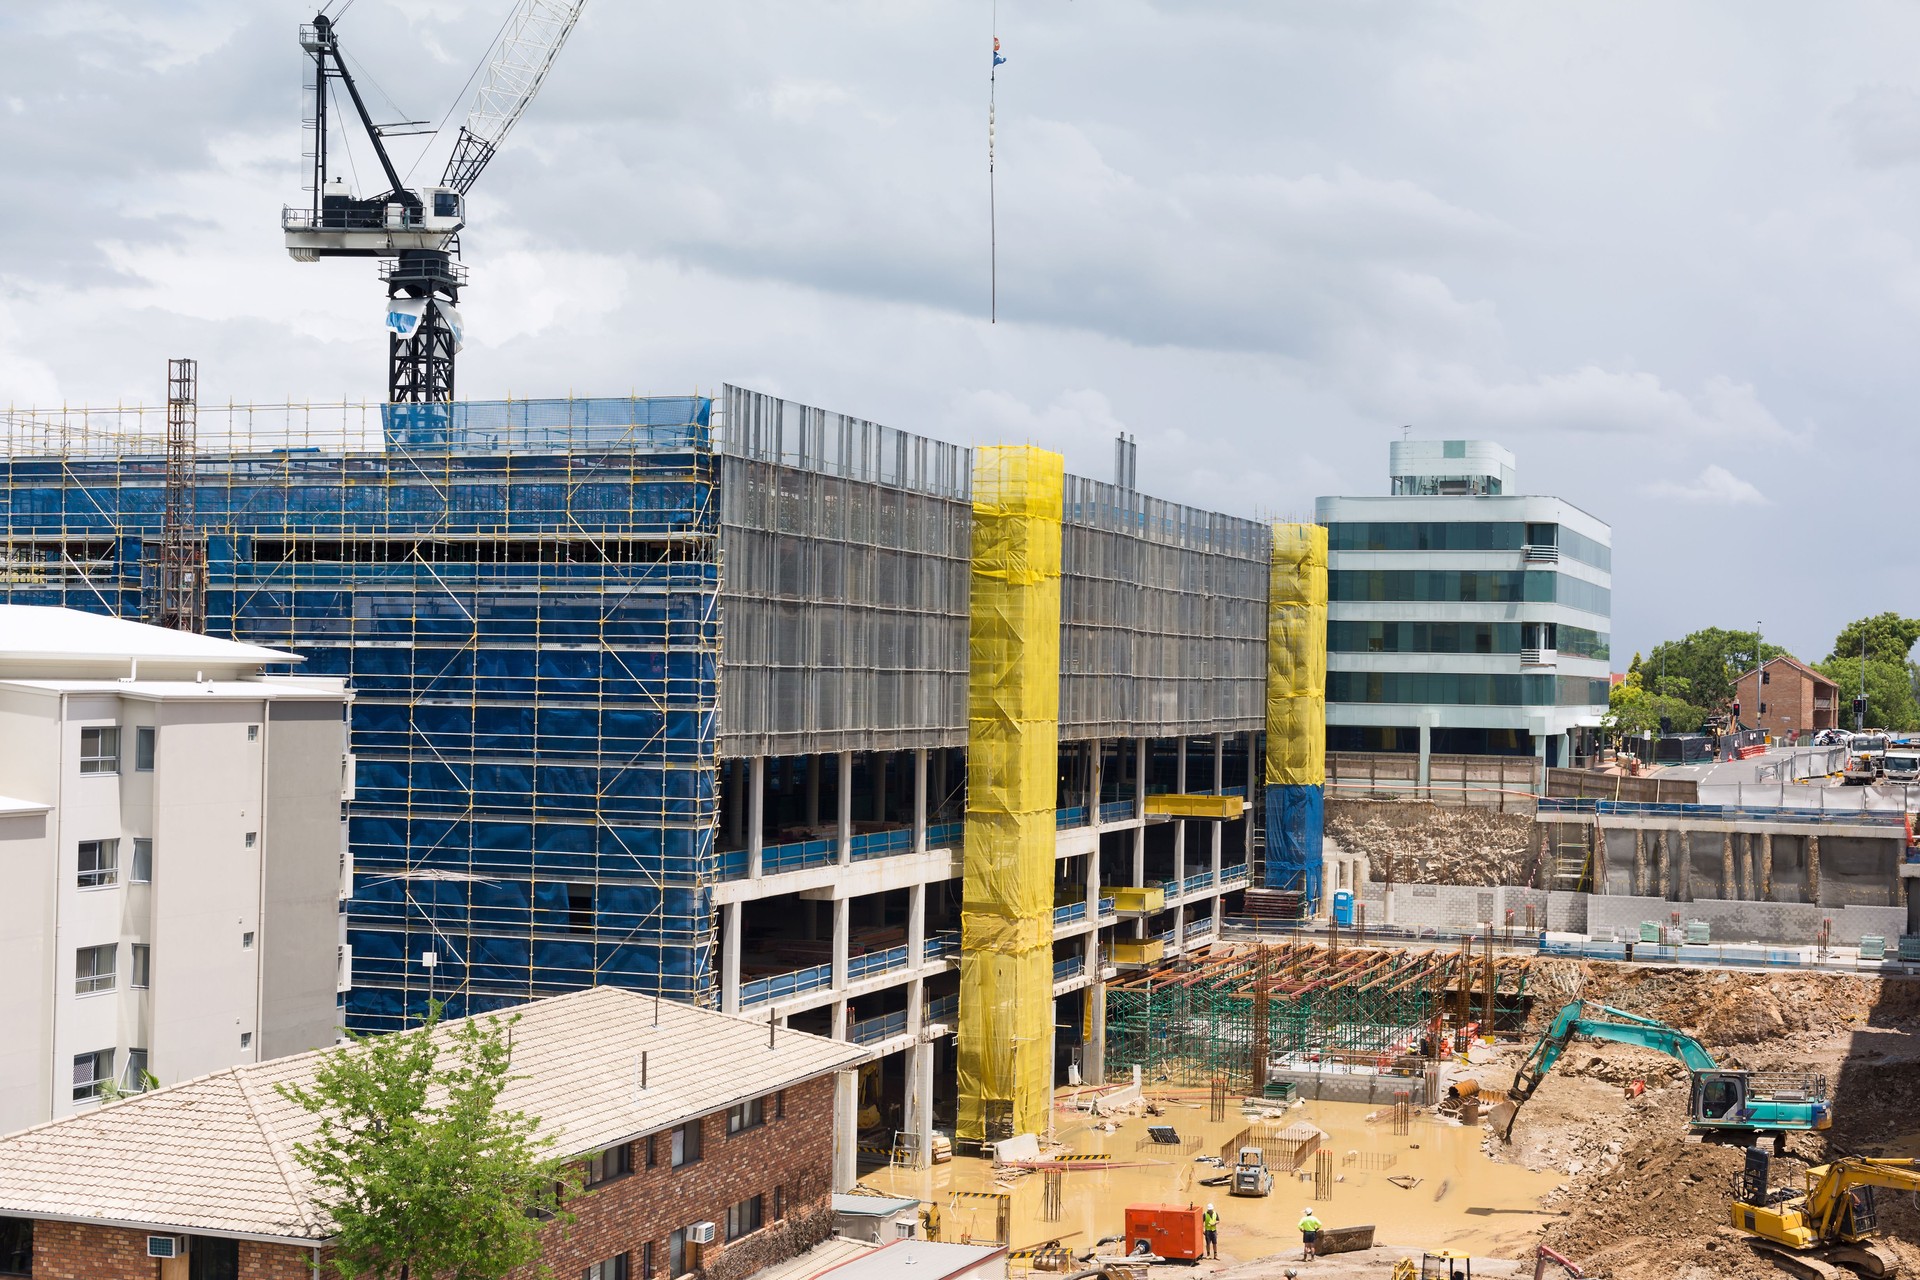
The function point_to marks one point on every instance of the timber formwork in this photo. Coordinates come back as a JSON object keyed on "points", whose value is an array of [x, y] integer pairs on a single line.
{"points": [[1226, 1013], [523, 597]]}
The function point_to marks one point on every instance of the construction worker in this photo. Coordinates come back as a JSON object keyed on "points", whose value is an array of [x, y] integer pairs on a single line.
{"points": [[1309, 1234], [1210, 1227]]}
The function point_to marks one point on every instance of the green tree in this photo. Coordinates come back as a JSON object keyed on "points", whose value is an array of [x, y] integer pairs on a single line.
{"points": [[1632, 709], [1888, 637], [423, 1176], [1709, 660], [1890, 700]]}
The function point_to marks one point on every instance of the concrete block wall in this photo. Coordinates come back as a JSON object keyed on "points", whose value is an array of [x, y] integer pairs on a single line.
{"points": [[1794, 923], [1449, 906]]}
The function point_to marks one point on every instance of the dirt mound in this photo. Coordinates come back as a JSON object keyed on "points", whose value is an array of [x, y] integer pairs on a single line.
{"points": [[1416, 842]]}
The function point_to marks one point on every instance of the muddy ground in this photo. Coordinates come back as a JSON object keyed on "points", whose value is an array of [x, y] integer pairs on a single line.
{"points": [[1416, 842], [1642, 1200]]}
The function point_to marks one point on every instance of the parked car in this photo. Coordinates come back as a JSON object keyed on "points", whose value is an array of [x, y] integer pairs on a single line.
{"points": [[1832, 738]]}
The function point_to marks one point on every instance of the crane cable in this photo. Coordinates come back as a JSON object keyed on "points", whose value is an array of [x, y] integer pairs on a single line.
{"points": [[461, 97]]}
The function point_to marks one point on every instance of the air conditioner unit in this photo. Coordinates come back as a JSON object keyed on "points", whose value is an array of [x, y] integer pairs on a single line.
{"points": [[166, 1246], [700, 1233]]}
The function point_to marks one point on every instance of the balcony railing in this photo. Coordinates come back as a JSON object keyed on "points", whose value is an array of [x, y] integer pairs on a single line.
{"points": [[1195, 883], [799, 855], [874, 963], [1072, 913], [1541, 555], [943, 944], [1235, 874], [943, 1008], [873, 1030], [1072, 817], [1071, 967], [780, 986], [1538, 657], [945, 835], [882, 844], [1108, 909], [730, 865], [1116, 811]]}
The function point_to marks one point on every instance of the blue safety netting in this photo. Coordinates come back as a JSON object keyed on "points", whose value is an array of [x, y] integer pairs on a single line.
{"points": [[1295, 823]]}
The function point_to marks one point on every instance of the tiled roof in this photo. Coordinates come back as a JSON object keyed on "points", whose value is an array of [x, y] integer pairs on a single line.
{"points": [[215, 1155]]}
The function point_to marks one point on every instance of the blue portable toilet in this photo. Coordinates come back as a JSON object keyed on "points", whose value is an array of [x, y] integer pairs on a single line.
{"points": [[1343, 909]]}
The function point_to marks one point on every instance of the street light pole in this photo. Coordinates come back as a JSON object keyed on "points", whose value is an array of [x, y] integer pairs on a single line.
{"points": [[1860, 708]]}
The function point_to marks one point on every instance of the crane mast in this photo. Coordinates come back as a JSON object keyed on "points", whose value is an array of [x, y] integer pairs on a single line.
{"points": [[416, 233]]}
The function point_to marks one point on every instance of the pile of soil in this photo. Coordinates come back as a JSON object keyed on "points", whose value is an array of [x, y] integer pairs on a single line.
{"points": [[1642, 1200], [1417, 842]]}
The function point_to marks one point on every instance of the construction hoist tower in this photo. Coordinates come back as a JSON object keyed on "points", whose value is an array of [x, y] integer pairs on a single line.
{"points": [[179, 600], [416, 232]]}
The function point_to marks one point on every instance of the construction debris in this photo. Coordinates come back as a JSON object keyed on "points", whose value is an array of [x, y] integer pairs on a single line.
{"points": [[1414, 842]]}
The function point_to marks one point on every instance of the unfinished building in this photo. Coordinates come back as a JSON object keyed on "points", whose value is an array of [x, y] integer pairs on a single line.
{"points": [[673, 694]]}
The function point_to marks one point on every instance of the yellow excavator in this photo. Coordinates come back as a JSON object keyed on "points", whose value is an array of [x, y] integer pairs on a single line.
{"points": [[1827, 1230]]}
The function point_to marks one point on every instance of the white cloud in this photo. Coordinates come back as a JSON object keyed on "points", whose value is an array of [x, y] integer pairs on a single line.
{"points": [[1715, 486]]}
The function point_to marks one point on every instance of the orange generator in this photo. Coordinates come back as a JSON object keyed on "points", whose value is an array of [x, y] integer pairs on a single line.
{"points": [[1169, 1230]]}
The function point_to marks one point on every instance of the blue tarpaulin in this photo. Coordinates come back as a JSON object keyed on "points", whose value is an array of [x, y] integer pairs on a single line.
{"points": [[1295, 818]]}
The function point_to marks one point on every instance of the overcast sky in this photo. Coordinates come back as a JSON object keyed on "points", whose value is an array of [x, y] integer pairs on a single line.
{"points": [[1665, 252]]}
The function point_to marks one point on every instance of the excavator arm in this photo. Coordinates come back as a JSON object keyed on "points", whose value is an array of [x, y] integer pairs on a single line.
{"points": [[1829, 1187], [1623, 1028]]}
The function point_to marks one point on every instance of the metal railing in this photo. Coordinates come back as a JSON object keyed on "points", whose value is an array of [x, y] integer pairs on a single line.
{"points": [[945, 835], [1197, 882], [874, 963], [873, 1030], [1109, 907], [1236, 873], [1116, 811], [799, 855], [1068, 969], [1072, 913], [779, 986], [1725, 812], [1075, 816], [882, 844], [943, 1008], [940, 945]]}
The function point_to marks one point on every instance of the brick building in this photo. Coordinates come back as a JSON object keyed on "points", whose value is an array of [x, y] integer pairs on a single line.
{"points": [[688, 1124], [1786, 694]]}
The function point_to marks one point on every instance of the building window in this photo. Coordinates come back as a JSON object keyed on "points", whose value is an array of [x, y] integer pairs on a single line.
{"points": [[143, 744], [99, 863], [646, 1260], [686, 1146], [653, 1155], [246, 941], [246, 1039], [677, 1253], [136, 1079], [253, 733], [779, 1204], [614, 1162], [780, 1105], [16, 1246], [611, 1269], [211, 1259], [252, 836], [743, 1218], [142, 965], [142, 872], [748, 1115], [579, 908], [93, 968], [100, 749], [90, 1072]]}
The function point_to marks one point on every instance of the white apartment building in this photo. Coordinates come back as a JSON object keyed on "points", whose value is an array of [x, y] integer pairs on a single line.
{"points": [[171, 845], [1464, 618]]}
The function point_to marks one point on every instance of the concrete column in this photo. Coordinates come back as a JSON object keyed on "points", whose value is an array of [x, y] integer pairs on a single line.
{"points": [[756, 813], [730, 958], [1813, 868], [1766, 867], [1728, 889], [920, 1096], [841, 920], [846, 1136], [1096, 1054], [916, 929], [843, 825], [842, 1015], [1096, 757], [813, 789], [920, 800]]}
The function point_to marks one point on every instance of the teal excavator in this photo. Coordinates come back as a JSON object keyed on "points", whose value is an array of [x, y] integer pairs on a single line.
{"points": [[1722, 1105]]}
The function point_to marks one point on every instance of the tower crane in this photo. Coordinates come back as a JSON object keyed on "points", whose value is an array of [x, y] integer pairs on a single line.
{"points": [[415, 232]]}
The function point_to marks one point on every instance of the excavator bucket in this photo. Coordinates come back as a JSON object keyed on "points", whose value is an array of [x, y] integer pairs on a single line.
{"points": [[1502, 1115]]}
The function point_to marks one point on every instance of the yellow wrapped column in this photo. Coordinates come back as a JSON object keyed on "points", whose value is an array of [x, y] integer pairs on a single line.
{"points": [[1005, 1043], [1296, 707]]}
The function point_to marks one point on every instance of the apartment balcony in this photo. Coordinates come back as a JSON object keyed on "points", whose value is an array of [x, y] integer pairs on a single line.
{"points": [[1539, 657], [1541, 555]]}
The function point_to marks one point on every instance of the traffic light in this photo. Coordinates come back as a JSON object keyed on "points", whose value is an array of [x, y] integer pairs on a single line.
{"points": [[1736, 710], [1860, 710]]}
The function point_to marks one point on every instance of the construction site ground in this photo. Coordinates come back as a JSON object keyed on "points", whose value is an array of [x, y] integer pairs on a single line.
{"points": [[1600, 1173]]}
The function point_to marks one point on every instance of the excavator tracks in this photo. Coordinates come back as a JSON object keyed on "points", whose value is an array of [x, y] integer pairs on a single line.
{"points": [[1841, 1262]]}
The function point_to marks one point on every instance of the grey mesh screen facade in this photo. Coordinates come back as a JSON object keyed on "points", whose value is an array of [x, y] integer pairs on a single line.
{"points": [[1163, 617], [845, 548]]}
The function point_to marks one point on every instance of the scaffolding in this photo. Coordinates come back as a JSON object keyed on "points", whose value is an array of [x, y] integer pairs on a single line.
{"points": [[1231, 1014], [1296, 769], [1006, 1034], [523, 596]]}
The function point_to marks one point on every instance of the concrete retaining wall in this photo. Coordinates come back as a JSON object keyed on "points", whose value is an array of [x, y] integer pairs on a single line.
{"points": [[1342, 1086], [1797, 923], [1449, 906]]}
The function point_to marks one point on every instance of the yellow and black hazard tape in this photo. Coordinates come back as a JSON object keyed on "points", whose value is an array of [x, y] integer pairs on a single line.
{"points": [[1051, 1252]]}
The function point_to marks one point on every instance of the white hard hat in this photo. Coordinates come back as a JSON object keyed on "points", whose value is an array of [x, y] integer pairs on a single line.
{"points": [[1209, 1206], [1306, 1213]]}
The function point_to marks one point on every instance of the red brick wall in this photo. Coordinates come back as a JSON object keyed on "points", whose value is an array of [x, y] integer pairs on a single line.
{"points": [[792, 1151], [72, 1251], [1790, 696]]}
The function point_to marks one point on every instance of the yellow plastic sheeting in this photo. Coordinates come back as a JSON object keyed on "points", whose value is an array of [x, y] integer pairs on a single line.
{"points": [[1005, 1037], [1297, 657], [1197, 806]]}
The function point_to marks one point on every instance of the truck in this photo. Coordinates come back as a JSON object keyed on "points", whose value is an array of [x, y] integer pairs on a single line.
{"points": [[1251, 1177], [1866, 759]]}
